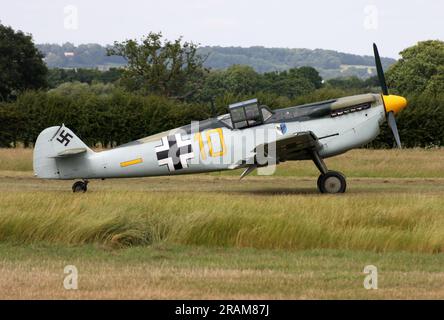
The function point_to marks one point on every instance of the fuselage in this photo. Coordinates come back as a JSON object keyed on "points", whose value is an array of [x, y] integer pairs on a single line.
{"points": [[213, 145]]}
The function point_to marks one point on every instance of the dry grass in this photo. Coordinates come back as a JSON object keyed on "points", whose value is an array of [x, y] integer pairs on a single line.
{"points": [[211, 236], [16, 159], [187, 272], [261, 212], [409, 222]]}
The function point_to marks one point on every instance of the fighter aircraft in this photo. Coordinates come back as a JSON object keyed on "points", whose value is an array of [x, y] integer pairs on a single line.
{"points": [[250, 136]]}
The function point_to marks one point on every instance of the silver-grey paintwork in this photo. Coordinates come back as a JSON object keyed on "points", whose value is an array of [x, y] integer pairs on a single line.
{"points": [[342, 134]]}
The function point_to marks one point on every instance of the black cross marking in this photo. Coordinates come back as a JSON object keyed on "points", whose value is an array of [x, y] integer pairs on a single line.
{"points": [[174, 152], [65, 137]]}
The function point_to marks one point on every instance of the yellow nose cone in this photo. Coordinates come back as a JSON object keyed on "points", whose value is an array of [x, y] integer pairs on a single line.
{"points": [[394, 103]]}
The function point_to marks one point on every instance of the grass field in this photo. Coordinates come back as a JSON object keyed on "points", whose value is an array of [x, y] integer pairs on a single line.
{"points": [[213, 236]]}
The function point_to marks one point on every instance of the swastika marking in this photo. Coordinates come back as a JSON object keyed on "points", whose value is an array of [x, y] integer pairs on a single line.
{"points": [[64, 138]]}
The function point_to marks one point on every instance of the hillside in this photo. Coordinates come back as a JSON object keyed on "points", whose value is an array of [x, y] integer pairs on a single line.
{"points": [[329, 63]]}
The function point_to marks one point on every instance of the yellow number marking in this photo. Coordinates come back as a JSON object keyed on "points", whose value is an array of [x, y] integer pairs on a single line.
{"points": [[211, 152], [210, 143], [198, 137]]}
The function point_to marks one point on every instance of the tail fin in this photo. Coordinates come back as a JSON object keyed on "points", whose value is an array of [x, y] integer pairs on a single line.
{"points": [[52, 143]]}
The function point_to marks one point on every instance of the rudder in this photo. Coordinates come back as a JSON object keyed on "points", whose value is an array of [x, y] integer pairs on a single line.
{"points": [[51, 144]]}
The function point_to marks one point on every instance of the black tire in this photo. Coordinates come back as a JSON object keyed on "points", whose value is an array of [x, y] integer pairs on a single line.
{"points": [[319, 182], [79, 186], [332, 182]]}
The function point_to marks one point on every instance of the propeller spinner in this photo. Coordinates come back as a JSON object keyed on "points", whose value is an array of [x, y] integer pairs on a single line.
{"points": [[393, 104]]}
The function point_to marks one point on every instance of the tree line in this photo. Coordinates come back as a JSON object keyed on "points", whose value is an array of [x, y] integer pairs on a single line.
{"points": [[328, 62]]}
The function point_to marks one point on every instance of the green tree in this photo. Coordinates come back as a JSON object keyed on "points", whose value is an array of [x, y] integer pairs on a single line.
{"points": [[419, 65], [168, 68], [237, 80], [11, 123], [290, 83], [312, 75], [57, 76], [355, 83], [21, 64], [435, 86]]}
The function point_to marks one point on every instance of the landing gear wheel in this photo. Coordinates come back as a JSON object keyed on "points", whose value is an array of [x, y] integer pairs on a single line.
{"points": [[332, 182], [319, 182], [80, 186]]}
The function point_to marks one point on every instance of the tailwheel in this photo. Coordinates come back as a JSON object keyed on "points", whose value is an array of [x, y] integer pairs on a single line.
{"points": [[80, 186], [332, 182]]}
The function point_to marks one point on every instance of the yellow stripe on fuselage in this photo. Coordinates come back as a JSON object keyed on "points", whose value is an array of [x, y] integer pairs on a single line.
{"points": [[131, 162]]}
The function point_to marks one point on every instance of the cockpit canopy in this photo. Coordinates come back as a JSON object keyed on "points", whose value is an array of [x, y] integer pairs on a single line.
{"points": [[247, 114]]}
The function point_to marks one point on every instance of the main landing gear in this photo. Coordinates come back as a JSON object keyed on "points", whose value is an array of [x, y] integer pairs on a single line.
{"points": [[80, 186], [328, 181]]}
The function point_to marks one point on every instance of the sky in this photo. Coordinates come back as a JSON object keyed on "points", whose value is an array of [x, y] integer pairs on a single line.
{"points": [[349, 26]]}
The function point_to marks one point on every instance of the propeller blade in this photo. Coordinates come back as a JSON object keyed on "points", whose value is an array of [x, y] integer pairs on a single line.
{"points": [[380, 71], [392, 124]]}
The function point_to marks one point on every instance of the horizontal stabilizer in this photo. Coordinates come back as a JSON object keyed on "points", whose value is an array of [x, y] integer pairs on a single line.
{"points": [[70, 152]]}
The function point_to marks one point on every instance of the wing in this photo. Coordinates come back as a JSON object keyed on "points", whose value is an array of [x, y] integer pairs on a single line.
{"points": [[298, 146]]}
